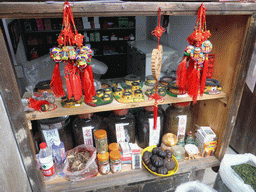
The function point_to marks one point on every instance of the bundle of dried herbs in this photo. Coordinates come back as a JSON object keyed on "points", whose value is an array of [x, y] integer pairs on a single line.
{"points": [[77, 160], [247, 173]]}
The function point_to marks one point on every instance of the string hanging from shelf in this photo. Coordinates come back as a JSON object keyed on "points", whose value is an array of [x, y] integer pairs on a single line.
{"points": [[192, 79], [77, 60], [156, 63]]}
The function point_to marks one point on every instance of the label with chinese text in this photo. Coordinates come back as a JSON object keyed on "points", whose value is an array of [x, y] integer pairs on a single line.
{"points": [[121, 136], [50, 136], [154, 135], [87, 135], [182, 125]]}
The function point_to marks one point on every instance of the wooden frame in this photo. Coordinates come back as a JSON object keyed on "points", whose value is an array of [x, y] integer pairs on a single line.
{"points": [[220, 116]]}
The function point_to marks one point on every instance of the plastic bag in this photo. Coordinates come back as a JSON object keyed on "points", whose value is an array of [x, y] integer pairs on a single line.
{"points": [[195, 186], [229, 177], [171, 63], [91, 168]]}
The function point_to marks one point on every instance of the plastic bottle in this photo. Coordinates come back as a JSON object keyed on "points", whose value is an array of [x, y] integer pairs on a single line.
{"points": [[45, 158], [59, 156]]}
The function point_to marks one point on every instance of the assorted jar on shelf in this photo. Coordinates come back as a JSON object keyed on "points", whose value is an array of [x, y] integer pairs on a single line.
{"points": [[113, 134]]}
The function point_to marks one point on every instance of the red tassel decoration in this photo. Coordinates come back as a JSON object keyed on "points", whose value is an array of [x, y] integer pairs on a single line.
{"points": [[86, 86], [68, 83], [56, 82], [155, 116], [181, 75], [77, 88], [92, 90], [204, 74], [37, 104], [193, 84]]}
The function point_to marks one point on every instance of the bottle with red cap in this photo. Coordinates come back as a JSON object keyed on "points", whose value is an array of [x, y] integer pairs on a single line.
{"points": [[46, 161]]}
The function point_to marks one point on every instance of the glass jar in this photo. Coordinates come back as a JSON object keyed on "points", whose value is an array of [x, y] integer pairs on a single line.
{"points": [[113, 147], [179, 120], [115, 161], [101, 141], [103, 162], [84, 127], [147, 136], [58, 128], [121, 127]]}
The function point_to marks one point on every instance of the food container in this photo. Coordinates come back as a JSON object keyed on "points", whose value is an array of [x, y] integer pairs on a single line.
{"points": [[113, 147], [103, 163], [84, 126], [101, 141], [58, 128], [115, 161], [172, 172]]}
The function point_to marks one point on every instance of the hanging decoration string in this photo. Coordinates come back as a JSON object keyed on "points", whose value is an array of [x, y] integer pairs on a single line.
{"points": [[158, 31]]}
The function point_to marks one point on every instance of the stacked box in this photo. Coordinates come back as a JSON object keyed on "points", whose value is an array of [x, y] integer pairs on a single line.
{"points": [[206, 140]]}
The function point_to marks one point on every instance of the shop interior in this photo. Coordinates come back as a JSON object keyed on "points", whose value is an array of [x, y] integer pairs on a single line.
{"points": [[122, 46]]}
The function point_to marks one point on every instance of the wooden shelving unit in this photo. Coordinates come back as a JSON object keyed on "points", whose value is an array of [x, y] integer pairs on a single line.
{"points": [[60, 111], [127, 177], [233, 28]]}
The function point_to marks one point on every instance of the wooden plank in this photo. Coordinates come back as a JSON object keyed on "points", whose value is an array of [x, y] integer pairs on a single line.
{"points": [[128, 177], [18, 10], [242, 139], [11, 98], [60, 111], [228, 34], [239, 81]]}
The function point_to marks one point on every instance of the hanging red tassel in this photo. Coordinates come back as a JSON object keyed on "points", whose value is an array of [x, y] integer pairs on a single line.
{"points": [[204, 74], [92, 90], [86, 86], [181, 76], [77, 88], [56, 82], [68, 82], [193, 84]]}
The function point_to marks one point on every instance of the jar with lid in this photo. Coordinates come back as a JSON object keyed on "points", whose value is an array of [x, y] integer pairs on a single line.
{"points": [[84, 126], [146, 133], [179, 120], [58, 128], [113, 147], [115, 161], [121, 127], [103, 162], [101, 142]]}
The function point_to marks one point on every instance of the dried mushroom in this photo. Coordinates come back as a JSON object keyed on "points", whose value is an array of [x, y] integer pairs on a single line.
{"points": [[152, 167], [168, 154], [157, 161], [77, 160], [162, 170], [169, 164], [146, 157]]}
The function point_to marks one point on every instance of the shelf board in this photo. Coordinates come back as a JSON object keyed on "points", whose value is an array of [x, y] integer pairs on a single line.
{"points": [[127, 177], [60, 111], [118, 28]]}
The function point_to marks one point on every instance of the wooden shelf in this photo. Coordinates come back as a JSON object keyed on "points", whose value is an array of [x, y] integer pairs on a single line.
{"points": [[60, 111], [127, 177]]}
